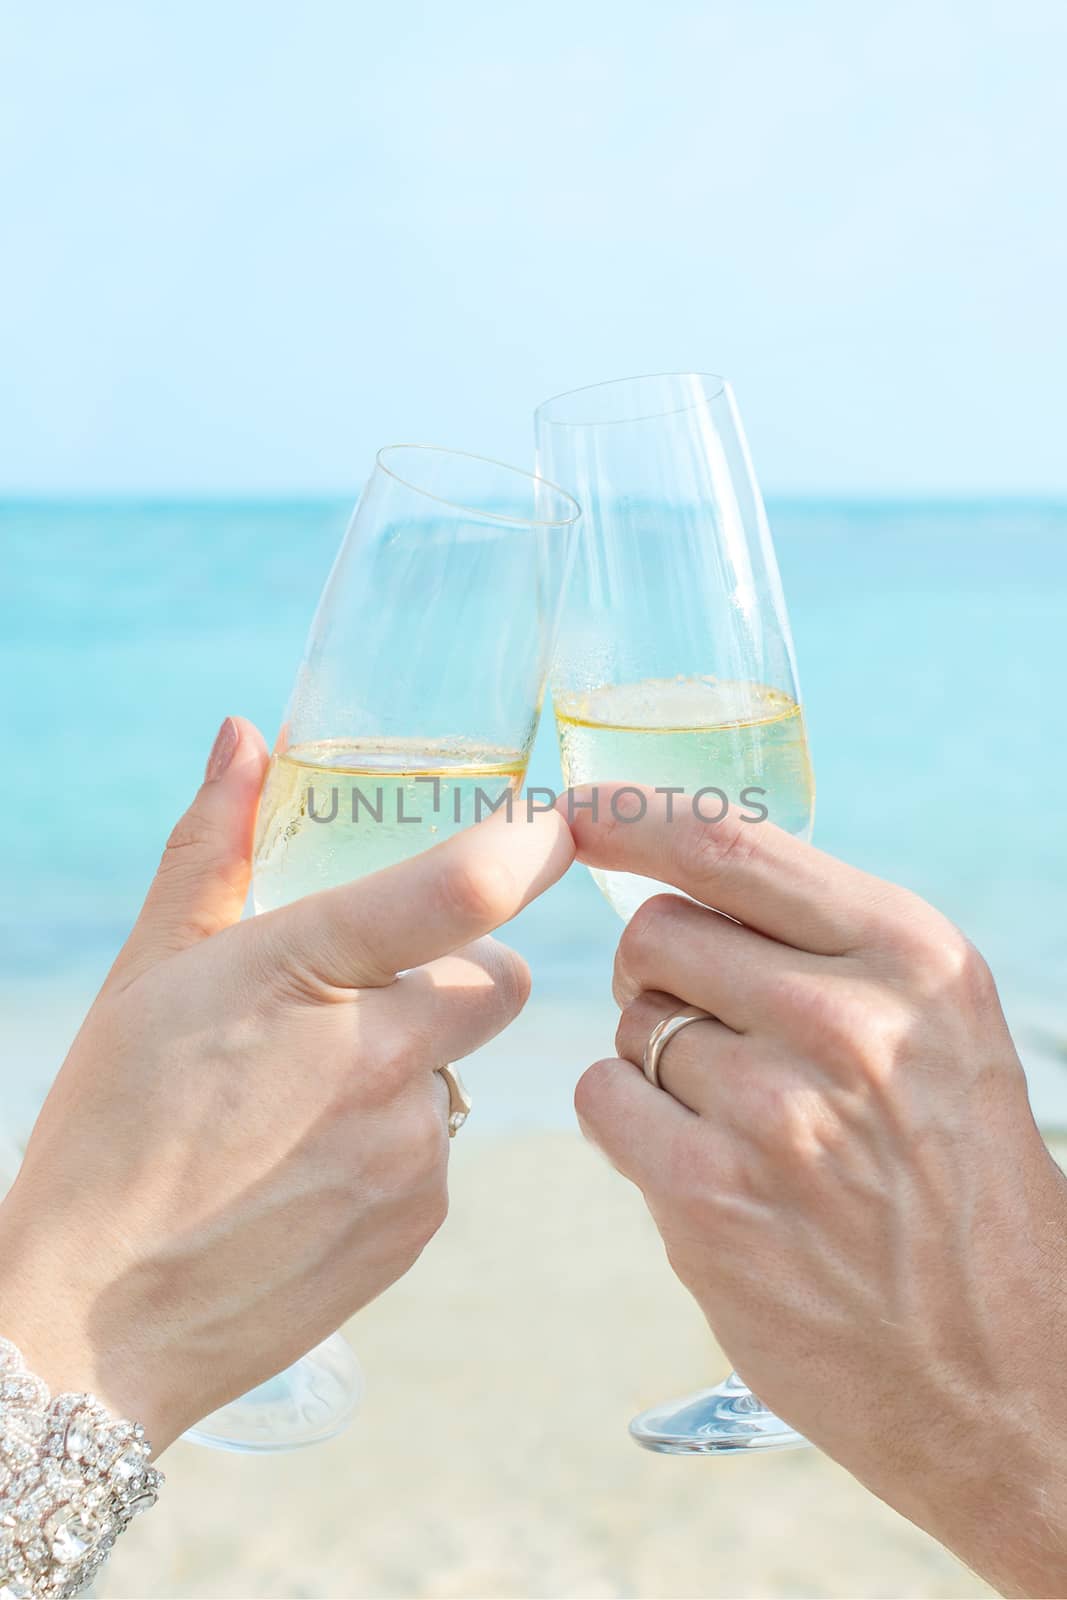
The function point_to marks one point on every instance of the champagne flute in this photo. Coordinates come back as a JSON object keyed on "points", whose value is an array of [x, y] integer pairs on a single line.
{"points": [[675, 668], [413, 714]]}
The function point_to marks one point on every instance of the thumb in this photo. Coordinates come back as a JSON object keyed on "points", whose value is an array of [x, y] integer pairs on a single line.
{"points": [[202, 880]]}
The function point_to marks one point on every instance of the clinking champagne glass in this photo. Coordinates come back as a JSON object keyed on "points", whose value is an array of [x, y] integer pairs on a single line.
{"points": [[675, 668], [413, 714]]}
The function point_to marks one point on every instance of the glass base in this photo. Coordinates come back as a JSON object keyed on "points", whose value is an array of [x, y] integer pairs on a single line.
{"points": [[728, 1417], [308, 1403]]}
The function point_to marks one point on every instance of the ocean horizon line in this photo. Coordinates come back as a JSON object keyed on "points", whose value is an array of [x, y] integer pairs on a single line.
{"points": [[134, 500]]}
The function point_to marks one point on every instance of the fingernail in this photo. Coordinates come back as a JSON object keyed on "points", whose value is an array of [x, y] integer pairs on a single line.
{"points": [[221, 751]]}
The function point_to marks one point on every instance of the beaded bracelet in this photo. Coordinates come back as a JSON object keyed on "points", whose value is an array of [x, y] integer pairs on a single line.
{"points": [[71, 1478]]}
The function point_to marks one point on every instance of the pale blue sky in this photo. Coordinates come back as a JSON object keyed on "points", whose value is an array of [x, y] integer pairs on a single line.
{"points": [[245, 242]]}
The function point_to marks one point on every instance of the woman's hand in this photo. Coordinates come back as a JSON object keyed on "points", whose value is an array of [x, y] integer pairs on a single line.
{"points": [[248, 1141], [846, 1173]]}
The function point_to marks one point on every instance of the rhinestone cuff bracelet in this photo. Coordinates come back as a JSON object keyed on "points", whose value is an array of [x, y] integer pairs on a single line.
{"points": [[71, 1478]]}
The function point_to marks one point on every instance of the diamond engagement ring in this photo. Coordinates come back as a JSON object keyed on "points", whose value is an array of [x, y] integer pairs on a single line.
{"points": [[459, 1101]]}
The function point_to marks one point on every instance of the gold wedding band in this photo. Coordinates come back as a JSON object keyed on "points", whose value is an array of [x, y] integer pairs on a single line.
{"points": [[459, 1101], [663, 1033]]}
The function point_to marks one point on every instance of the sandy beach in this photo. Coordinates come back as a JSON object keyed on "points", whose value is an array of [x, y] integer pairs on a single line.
{"points": [[491, 1458]]}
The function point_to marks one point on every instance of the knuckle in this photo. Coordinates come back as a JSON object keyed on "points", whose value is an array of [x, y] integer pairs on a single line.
{"points": [[648, 930], [652, 918], [410, 1235], [830, 1023], [593, 1092], [705, 849], [878, 1045], [191, 833], [636, 1022], [978, 980], [195, 845], [383, 1067], [953, 962], [425, 1218], [938, 958], [512, 981], [479, 891], [916, 933], [943, 954], [621, 987], [425, 1142], [394, 1054], [784, 1123], [435, 1209], [737, 841], [196, 923], [866, 1038], [424, 1202]]}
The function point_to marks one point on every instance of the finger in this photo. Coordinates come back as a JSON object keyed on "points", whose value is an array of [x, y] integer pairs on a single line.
{"points": [[643, 1132], [202, 880], [458, 1003], [710, 961], [694, 1061], [364, 933], [753, 871]]}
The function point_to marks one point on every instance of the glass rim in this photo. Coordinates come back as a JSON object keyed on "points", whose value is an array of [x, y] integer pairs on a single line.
{"points": [[380, 461], [722, 386]]}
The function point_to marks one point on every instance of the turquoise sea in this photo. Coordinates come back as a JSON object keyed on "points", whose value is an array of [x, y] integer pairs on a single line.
{"points": [[932, 642]]}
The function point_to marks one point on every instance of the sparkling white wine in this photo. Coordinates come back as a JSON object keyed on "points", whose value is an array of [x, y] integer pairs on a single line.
{"points": [[337, 809], [743, 741]]}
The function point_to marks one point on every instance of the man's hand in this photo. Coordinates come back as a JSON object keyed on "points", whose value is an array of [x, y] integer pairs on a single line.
{"points": [[846, 1173]]}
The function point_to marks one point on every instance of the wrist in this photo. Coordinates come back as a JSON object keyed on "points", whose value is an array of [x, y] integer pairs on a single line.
{"points": [[54, 1305], [988, 1477], [74, 1479], [997, 1507]]}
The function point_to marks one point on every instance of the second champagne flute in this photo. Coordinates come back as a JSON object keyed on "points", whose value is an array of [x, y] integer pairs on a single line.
{"points": [[412, 716], [675, 669]]}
